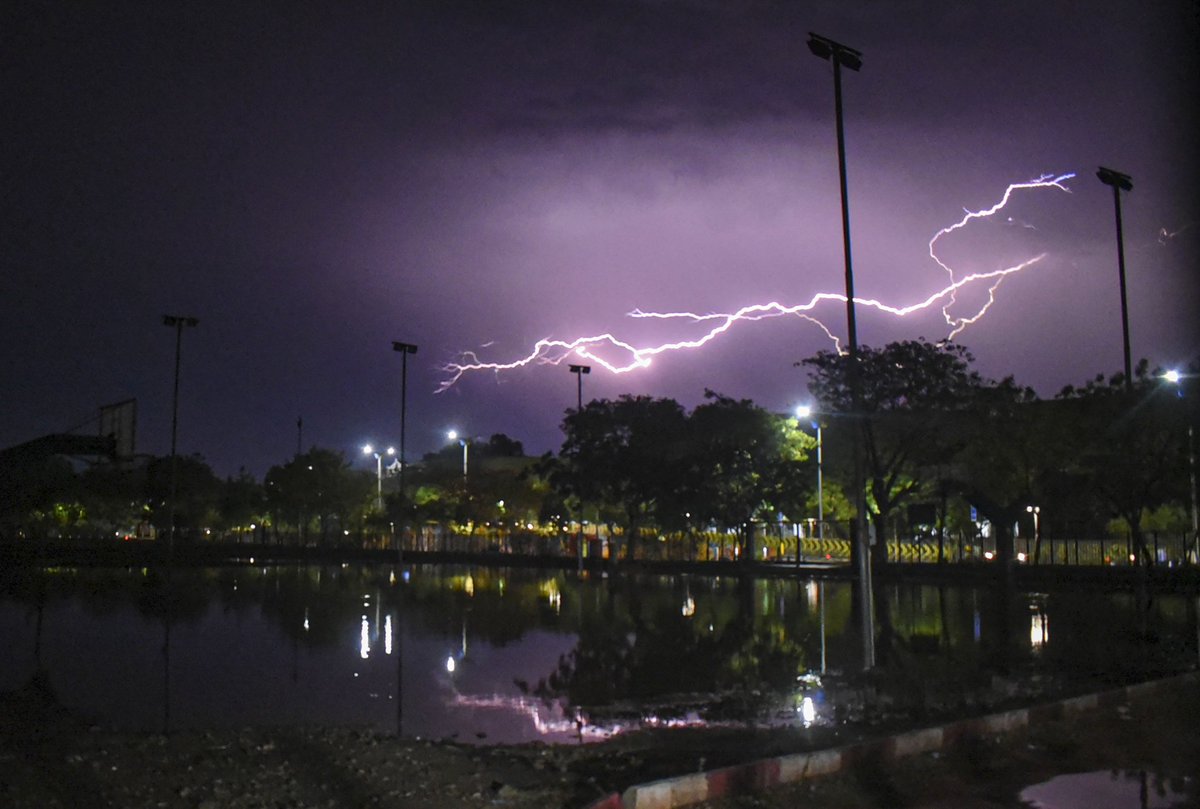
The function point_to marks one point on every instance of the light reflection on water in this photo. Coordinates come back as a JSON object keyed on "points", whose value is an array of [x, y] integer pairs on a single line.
{"points": [[1111, 790], [507, 655]]}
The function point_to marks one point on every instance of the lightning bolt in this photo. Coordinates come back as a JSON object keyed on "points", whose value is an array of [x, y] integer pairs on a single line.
{"points": [[618, 356]]}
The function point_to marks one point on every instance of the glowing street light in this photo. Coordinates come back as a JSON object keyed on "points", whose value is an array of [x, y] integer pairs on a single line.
{"points": [[579, 371], [370, 450], [843, 56], [1120, 182], [178, 323]]}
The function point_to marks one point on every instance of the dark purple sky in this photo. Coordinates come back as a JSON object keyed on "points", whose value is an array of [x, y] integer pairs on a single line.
{"points": [[478, 175]]}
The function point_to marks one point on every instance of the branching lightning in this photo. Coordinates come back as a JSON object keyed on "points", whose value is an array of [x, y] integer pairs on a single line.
{"points": [[619, 356]]}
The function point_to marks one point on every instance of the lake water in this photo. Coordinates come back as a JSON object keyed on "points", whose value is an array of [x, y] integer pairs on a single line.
{"points": [[511, 655]]}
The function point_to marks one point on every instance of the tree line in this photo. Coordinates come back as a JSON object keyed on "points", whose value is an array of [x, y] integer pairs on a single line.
{"points": [[941, 448]]}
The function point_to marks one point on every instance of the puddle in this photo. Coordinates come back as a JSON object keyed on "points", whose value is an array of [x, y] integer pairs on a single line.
{"points": [[1112, 790]]}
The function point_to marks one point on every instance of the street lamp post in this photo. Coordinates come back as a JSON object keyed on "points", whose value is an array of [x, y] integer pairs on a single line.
{"points": [[579, 371], [803, 412], [178, 323], [1176, 378], [842, 56], [405, 349], [370, 450], [1036, 511], [453, 436], [1120, 182]]}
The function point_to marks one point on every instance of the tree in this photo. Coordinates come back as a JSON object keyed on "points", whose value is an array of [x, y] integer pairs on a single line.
{"points": [[1010, 455], [743, 463], [243, 501], [905, 391], [627, 453], [1131, 441], [197, 493], [30, 488], [318, 484]]}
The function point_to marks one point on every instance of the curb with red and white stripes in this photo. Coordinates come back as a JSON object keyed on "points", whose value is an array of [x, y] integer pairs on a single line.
{"points": [[673, 793]]}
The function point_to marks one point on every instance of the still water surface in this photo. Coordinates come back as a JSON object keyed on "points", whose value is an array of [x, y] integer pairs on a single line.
{"points": [[502, 655]]}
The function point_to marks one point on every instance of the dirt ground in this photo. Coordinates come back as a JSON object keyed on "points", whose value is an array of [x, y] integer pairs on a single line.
{"points": [[50, 759]]}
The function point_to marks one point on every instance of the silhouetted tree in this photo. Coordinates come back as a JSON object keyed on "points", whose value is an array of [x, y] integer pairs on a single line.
{"points": [[627, 453], [1132, 444], [318, 484], [906, 389], [743, 463]]}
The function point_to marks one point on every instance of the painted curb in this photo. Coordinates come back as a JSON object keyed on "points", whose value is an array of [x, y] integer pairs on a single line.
{"points": [[685, 790]]}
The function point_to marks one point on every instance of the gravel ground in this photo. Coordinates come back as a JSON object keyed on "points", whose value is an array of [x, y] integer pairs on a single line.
{"points": [[48, 758]]}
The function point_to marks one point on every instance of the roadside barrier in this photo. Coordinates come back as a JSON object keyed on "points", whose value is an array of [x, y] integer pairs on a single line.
{"points": [[685, 790]]}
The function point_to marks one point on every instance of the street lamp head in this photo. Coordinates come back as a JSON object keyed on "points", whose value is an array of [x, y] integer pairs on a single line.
{"points": [[391, 450], [804, 411], [368, 449], [407, 348], [828, 49], [1173, 376], [178, 320], [1115, 178], [452, 435], [580, 369]]}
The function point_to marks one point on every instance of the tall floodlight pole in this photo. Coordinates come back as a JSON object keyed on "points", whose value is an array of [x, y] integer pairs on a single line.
{"points": [[579, 371], [842, 56], [1120, 182], [405, 349], [178, 323]]}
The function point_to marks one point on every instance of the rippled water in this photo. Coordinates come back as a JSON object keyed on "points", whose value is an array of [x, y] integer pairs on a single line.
{"points": [[517, 655]]}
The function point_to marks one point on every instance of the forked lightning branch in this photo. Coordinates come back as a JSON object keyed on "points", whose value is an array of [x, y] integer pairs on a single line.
{"points": [[618, 356]]}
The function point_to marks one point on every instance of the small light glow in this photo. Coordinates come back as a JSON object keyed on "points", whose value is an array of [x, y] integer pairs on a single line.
{"points": [[1021, 556], [387, 634], [364, 639], [989, 555], [689, 607], [450, 665], [1039, 629], [808, 711]]}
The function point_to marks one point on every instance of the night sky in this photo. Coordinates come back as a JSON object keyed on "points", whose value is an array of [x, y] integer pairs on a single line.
{"points": [[313, 182]]}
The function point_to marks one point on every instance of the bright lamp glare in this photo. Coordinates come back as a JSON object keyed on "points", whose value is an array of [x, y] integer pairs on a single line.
{"points": [[368, 449], [803, 411], [1172, 376]]}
